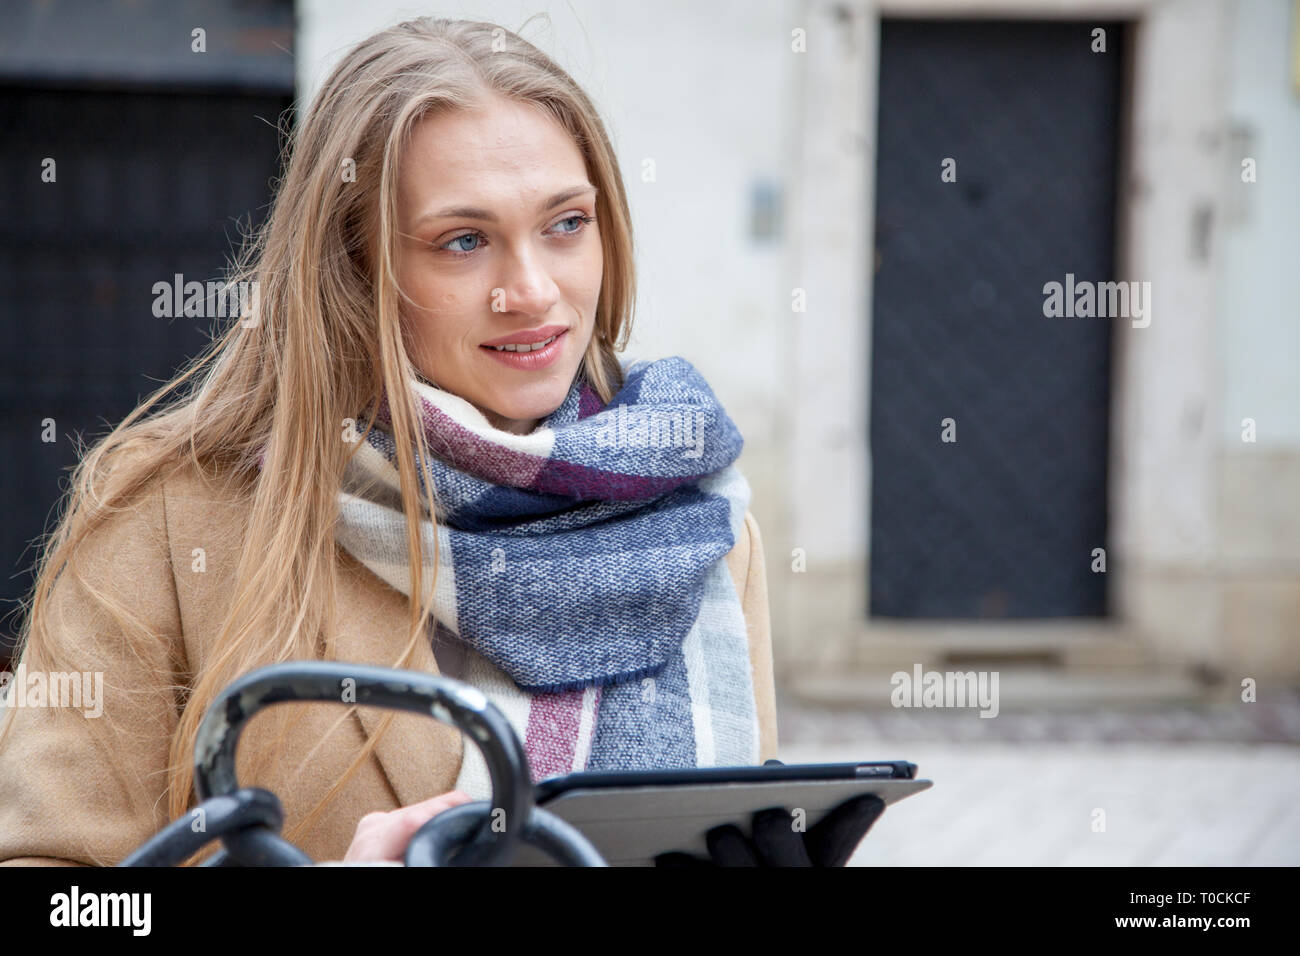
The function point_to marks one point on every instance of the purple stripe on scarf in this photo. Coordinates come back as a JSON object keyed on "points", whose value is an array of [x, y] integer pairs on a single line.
{"points": [[463, 449], [589, 402], [551, 737], [595, 484]]}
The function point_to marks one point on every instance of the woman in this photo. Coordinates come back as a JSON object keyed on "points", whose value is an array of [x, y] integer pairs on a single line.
{"points": [[418, 448]]}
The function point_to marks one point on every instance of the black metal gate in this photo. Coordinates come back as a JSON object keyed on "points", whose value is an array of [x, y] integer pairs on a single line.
{"points": [[1001, 522], [163, 155], [148, 185]]}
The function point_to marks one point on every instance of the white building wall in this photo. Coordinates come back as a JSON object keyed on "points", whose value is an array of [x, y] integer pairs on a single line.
{"points": [[1258, 561], [1259, 295]]}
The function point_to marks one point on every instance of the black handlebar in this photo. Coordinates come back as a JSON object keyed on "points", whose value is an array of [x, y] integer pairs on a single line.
{"points": [[248, 820]]}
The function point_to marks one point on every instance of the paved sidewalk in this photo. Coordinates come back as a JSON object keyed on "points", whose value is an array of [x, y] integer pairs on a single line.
{"points": [[1000, 798], [1033, 804]]}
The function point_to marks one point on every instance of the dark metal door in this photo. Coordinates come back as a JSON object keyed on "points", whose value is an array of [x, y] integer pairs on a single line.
{"points": [[148, 185], [1001, 522]]}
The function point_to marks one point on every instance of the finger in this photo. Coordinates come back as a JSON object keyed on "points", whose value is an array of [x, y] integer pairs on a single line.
{"points": [[383, 835], [418, 814], [778, 842], [728, 847], [443, 801], [450, 798], [832, 841]]}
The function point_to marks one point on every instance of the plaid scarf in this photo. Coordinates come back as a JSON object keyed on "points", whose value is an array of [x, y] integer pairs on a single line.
{"points": [[581, 570]]}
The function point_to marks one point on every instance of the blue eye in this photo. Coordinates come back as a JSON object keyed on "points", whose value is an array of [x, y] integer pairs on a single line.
{"points": [[463, 250], [582, 219]]}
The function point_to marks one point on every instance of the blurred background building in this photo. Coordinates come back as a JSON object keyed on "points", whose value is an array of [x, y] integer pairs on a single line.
{"points": [[132, 156], [846, 214]]}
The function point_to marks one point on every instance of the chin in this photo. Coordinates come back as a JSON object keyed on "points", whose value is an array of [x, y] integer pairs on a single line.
{"points": [[536, 403]]}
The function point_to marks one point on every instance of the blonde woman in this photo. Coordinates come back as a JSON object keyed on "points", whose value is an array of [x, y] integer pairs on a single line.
{"points": [[420, 450]]}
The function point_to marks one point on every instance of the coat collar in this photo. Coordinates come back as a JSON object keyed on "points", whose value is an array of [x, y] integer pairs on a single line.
{"points": [[419, 755]]}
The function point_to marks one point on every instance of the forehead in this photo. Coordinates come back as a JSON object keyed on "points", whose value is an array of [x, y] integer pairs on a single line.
{"points": [[502, 149]]}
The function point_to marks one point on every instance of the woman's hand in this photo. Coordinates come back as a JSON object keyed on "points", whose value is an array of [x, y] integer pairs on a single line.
{"points": [[777, 842], [383, 835]]}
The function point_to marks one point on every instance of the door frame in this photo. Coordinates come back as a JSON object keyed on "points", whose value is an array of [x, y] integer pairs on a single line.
{"points": [[1162, 534]]}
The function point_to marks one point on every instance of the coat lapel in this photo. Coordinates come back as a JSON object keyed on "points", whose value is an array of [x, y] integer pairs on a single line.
{"points": [[419, 755]]}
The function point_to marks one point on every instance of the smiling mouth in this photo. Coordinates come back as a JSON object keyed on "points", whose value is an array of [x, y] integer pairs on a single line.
{"points": [[522, 347], [530, 356]]}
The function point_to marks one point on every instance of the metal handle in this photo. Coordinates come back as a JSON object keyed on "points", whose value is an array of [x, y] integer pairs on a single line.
{"points": [[434, 843], [251, 809], [449, 701], [248, 820]]}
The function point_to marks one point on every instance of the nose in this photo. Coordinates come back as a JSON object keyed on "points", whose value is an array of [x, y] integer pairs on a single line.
{"points": [[528, 287]]}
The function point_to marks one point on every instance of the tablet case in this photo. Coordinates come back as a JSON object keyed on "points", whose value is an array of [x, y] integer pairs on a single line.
{"points": [[631, 825]]}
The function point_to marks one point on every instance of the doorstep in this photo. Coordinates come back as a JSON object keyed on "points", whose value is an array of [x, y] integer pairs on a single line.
{"points": [[1019, 688]]}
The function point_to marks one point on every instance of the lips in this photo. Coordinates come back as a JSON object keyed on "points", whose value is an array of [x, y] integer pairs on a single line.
{"points": [[518, 341], [518, 353], [521, 347]]}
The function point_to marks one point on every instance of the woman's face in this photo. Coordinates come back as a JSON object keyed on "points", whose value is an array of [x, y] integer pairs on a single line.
{"points": [[498, 246]]}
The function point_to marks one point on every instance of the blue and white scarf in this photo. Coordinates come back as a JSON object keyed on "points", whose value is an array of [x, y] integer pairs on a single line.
{"points": [[582, 573]]}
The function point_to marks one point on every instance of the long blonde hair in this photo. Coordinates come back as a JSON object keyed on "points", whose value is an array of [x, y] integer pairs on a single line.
{"points": [[324, 344]]}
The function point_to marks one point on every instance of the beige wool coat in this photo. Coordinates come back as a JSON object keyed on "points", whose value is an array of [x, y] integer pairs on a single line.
{"points": [[60, 804]]}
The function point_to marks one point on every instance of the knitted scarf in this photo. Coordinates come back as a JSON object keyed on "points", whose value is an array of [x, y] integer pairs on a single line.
{"points": [[581, 570]]}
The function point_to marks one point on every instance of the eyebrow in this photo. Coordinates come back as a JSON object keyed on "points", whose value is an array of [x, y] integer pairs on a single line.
{"points": [[475, 212]]}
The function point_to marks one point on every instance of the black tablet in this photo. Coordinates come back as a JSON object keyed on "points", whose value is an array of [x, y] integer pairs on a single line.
{"points": [[632, 816]]}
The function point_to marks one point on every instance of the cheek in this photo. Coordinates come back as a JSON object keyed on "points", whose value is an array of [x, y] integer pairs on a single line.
{"points": [[585, 282], [439, 304], [437, 321], [432, 296]]}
